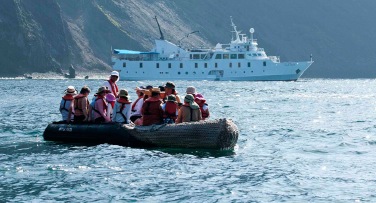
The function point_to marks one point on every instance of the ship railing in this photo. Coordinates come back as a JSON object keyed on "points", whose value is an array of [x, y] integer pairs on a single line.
{"points": [[275, 59], [260, 49]]}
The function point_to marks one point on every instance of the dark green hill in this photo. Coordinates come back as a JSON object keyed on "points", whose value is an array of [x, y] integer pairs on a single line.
{"points": [[40, 36]]}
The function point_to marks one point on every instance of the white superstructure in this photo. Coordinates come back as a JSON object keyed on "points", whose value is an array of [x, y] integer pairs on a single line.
{"points": [[239, 60]]}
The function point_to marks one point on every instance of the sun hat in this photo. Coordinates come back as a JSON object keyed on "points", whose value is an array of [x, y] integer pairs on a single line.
{"points": [[156, 90], [101, 89], [115, 73], [170, 85], [171, 98], [191, 90], [110, 97], [191, 100], [200, 97], [123, 93], [70, 90]]}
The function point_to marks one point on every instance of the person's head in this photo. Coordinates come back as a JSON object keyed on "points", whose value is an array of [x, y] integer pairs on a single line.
{"points": [[102, 91], [169, 87], [191, 90], [199, 98], [114, 77], [155, 91], [171, 98], [85, 90], [70, 90], [190, 99], [140, 91], [110, 97], [123, 94]]}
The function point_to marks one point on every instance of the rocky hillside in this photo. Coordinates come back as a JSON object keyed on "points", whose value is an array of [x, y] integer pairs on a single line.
{"points": [[40, 36]]}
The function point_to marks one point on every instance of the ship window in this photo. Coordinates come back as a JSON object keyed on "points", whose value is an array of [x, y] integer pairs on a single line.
{"points": [[211, 55], [203, 56], [190, 56], [196, 56], [186, 73], [254, 54], [241, 56], [157, 65], [216, 65], [206, 65], [249, 64], [233, 56], [194, 72], [181, 65], [124, 64], [178, 73], [203, 73], [196, 65], [230, 65], [225, 56], [166, 72], [140, 65], [218, 56], [264, 63], [259, 54], [169, 65], [239, 65]]}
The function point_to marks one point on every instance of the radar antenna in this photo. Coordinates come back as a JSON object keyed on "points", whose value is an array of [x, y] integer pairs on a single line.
{"points": [[159, 27]]}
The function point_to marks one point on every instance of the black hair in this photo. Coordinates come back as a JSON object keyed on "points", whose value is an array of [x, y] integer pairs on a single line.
{"points": [[153, 94], [85, 89]]}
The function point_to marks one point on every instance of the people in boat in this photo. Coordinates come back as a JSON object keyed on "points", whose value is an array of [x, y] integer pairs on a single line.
{"points": [[191, 90], [189, 111], [66, 103], [81, 106], [100, 106], [110, 99], [137, 105], [170, 110], [111, 83], [170, 90], [204, 108], [122, 109], [152, 112]]}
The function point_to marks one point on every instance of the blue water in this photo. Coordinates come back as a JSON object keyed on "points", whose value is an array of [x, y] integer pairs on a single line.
{"points": [[308, 141]]}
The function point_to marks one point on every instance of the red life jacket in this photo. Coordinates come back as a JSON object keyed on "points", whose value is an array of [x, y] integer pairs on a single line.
{"points": [[104, 105], [67, 97], [170, 110], [114, 88], [123, 102], [77, 104], [204, 114]]}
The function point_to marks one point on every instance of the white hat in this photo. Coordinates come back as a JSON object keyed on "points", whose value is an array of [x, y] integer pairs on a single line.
{"points": [[191, 90], [115, 73], [71, 90]]}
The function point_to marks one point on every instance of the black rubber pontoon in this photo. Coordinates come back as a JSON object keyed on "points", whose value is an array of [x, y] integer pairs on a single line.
{"points": [[212, 134]]}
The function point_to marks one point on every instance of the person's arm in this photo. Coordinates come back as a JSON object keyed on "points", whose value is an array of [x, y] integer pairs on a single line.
{"points": [[84, 108], [114, 112], [70, 112], [179, 119], [128, 113]]}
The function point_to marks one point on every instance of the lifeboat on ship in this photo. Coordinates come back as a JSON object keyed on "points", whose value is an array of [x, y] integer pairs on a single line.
{"points": [[209, 134]]}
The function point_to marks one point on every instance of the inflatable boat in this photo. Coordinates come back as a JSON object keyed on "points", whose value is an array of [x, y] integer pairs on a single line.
{"points": [[210, 134]]}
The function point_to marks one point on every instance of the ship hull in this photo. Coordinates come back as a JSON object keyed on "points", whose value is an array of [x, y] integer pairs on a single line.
{"points": [[272, 72]]}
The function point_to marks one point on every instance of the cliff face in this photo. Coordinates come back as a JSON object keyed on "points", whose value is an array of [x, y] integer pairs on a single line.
{"points": [[40, 36]]}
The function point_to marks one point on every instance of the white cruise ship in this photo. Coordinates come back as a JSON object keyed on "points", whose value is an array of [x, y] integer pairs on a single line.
{"points": [[239, 60]]}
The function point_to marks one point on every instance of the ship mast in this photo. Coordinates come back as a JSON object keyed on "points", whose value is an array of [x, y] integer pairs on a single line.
{"points": [[159, 27]]}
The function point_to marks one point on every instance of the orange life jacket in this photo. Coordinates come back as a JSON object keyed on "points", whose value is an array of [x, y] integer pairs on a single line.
{"points": [[204, 114], [77, 104]]}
